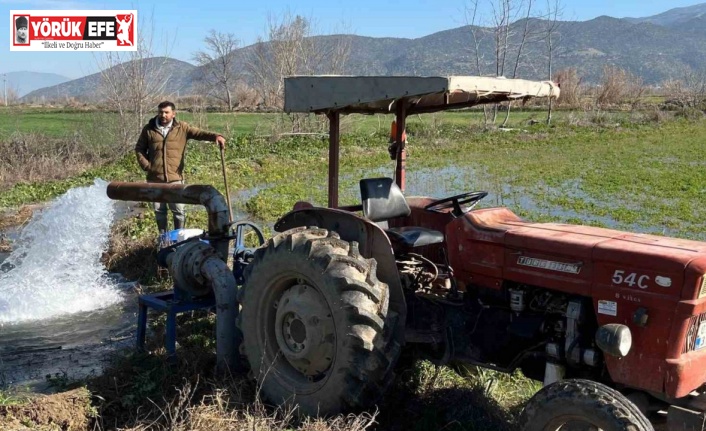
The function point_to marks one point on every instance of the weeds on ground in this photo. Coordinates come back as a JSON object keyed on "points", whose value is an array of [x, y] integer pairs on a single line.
{"points": [[427, 397], [11, 398], [142, 391], [221, 406], [132, 250], [32, 157], [16, 218]]}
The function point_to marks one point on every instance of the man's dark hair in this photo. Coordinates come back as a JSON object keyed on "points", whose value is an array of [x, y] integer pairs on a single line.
{"points": [[166, 104]]}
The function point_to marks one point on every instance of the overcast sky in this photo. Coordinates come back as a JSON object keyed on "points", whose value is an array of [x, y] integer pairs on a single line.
{"points": [[179, 26]]}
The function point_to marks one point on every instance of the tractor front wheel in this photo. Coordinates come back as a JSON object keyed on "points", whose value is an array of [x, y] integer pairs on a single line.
{"points": [[581, 405], [316, 328]]}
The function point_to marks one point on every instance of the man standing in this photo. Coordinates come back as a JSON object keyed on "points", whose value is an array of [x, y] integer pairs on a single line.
{"points": [[160, 153]]}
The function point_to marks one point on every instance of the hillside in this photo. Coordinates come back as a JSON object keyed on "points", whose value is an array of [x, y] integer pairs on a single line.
{"points": [[655, 48], [674, 17], [25, 82], [176, 73]]}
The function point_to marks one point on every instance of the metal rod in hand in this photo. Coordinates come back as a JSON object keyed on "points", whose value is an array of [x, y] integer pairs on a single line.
{"points": [[225, 181]]}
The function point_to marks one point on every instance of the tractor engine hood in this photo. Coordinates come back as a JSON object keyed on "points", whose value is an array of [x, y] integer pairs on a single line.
{"points": [[579, 259]]}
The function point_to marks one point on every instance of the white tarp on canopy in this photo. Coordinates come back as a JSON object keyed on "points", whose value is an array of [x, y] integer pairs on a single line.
{"points": [[378, 94]]}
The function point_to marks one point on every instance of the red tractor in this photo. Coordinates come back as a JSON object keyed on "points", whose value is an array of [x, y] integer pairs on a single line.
{"points": [[613, 323]]}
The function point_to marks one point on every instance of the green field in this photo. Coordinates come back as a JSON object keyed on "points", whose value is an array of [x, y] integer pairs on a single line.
{"points": [[639, 171], [63, 122], [610, 169]]}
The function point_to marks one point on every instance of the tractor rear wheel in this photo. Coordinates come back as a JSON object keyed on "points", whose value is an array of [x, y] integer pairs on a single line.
{"points": [[581, 405], [316, 327]]}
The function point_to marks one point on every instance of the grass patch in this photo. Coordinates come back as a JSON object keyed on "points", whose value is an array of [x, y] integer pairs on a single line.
{"points": [[11, 398]]}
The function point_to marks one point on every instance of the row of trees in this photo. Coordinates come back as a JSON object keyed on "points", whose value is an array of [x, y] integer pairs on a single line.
{"points": [[289, 49], [618, 87], [132, 82], [525, 36], [514, 38], [515, 47]]}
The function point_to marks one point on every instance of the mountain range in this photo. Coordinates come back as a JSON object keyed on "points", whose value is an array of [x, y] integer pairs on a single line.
{"points": [[22, 83], [675, 16], [655, 48]]}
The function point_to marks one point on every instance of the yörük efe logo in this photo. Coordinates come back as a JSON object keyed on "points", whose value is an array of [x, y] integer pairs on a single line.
{"points": [[73, 30]]}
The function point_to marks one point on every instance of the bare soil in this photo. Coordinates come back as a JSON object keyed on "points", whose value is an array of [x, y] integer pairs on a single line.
{"points": [[66, 411], [18, 217]]}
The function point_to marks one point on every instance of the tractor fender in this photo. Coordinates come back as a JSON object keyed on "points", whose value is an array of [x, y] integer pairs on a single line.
{"points": [[372, 243]]}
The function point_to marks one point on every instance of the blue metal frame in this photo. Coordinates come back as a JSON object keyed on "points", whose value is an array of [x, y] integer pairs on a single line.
{"points": [[176, 301], [167, 302]]}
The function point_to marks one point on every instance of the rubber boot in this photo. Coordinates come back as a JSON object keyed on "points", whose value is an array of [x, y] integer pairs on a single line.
{"points": [[161, 226], [179, 224]]}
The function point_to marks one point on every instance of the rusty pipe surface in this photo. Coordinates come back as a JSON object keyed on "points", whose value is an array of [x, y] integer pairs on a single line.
{"points": [[195, 194], [228, 336]]}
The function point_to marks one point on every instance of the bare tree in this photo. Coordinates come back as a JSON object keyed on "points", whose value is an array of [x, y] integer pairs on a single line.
{"points": [[518, 30], [552, 39], [292, 49], [12, 93], [525, 38], [687, 91], [132, 82], [217, 62], [501, 19], [504, 14], [619, 86], [477, 34], [570, 83]]}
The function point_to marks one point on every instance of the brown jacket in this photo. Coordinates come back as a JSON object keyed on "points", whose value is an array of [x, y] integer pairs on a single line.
{"points": [[163, 157]]}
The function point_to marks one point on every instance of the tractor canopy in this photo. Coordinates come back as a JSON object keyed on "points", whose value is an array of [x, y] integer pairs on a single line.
{"points": [[381, 94], [333, 95]]}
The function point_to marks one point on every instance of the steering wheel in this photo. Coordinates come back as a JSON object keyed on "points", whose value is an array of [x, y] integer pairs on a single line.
{"points": [[457, 202]]}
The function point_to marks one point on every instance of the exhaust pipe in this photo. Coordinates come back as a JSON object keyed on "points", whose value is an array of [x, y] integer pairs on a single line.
{"points": [[194, 265]]}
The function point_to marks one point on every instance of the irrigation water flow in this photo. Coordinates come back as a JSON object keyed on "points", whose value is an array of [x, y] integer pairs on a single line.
{"points": [[59, 308], [55, 268]]}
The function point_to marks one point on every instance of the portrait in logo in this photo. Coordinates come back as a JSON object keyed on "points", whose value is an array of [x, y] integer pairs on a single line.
{"points": [[125, 36], [22, 30]]}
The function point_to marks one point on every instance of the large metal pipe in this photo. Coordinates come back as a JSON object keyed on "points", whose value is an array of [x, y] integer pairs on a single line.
{"points": [[197, 269], [228, 336], [208, 196], [196, 259]]}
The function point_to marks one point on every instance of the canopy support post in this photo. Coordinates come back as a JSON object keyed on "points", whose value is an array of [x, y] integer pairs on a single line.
{"points": [[334, 144], [401, 160]]}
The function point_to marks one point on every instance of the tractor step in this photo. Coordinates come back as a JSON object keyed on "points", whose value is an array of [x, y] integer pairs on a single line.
{"points": [[681, 419]]}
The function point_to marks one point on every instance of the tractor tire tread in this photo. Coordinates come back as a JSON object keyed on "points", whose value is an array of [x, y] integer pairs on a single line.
{"points": [[578, 396], [367, 350]]}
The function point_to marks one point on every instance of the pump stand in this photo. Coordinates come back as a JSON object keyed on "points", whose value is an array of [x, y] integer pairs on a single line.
{"points": [[168, 302]]}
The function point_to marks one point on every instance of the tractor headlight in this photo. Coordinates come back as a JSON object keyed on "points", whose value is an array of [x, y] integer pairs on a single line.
{"points": [[614, 339]]}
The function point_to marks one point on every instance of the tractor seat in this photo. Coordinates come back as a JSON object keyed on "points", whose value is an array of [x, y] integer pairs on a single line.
{"points": [[383, 200]]}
